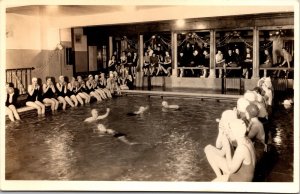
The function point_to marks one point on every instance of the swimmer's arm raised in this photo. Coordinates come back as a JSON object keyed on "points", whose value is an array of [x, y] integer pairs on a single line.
{"points": [[105, 115]]}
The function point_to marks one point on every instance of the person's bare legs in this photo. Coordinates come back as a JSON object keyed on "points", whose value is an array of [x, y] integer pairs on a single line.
{"points": [[69, 101], [50, 101], [14, 111], [217, 160], [9, 114], [63, 101], [34, 105], [41, 105]]}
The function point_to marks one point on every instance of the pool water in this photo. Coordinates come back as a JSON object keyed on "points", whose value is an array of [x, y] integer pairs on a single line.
{"points": [[63, 147]]}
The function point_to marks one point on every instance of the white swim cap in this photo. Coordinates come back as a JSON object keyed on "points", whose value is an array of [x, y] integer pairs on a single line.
{"points": [[164, 103], [250, 96], [242, 104], [238, 128], [228, 115]]}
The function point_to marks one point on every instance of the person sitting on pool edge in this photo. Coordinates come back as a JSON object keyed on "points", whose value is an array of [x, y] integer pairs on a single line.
{"points": [[141, 110], [238, 166], [166, 105], [95, 115], [102, 130]]}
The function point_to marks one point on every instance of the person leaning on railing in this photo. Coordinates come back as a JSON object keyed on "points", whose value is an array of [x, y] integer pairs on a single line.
{"points": [[220, 62], [287, 60]]}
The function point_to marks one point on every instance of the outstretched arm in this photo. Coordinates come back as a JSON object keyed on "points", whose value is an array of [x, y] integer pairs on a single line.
{"points": [[105, 115]]}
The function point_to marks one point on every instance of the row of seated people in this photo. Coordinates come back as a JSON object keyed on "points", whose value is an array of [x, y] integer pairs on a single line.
{"points": [[243, 135], [77, 91]]}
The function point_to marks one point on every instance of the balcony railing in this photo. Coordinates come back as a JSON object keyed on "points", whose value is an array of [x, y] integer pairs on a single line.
{"points": [[20, 77]]}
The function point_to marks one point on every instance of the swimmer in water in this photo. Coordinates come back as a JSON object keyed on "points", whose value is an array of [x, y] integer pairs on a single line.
{"points": [[95, 115], [166, 105], [102, 130], [141, 110]]}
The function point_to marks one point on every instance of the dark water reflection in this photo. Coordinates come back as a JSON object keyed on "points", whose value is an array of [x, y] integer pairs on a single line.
{"points": [[63, 147]]}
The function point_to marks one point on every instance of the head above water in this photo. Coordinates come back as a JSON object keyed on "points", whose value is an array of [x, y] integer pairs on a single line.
{"points": [[164, 103], [94, 112]]}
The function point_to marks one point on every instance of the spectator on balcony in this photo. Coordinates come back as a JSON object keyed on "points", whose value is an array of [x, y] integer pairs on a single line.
{"points": [[238, 57], [62, 92], [195, 62], [166, 65], [35, 97], [182, 62], [220, 62], [11, 103], [135, 65], [146, 63], [49, 94], [247, 64], [112, 64], [287, 60], [129, 62], [268, 60], [206, 60], [153, 63], [230, 59]]}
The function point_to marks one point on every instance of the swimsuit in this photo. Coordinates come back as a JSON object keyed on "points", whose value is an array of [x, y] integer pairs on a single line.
{"points": [[13, 102], [35, 96], [244, 173], [49, 94], [61, 93]]}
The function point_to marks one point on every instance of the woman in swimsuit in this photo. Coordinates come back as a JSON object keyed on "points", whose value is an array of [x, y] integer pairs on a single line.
{"points": [[35, 97], [83, 89], [73, 86], [71, 93], [102, 85], [120, 136], [10, 104], [90, 88], [240, 165], [62, 92], [96, 86], [49, 94]]}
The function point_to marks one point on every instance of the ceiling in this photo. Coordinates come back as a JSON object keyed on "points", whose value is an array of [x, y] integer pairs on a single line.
{"points": [[73, 10]]}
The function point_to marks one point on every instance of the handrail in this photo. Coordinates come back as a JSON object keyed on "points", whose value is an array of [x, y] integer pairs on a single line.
{"points": [[265, 69], [20, 77], [24, 68]]}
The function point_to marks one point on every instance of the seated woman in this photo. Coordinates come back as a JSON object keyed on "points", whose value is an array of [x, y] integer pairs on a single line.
{"points": [[35, 96], [167, 64], [287, 60], [135, 65], [10, 104], [120, 136], [220, 62], [141, 110], [268, 59], [247, 64], [166, 105], [70, 92], [74, 89], [237, 166], [153, 63], [146, 63], [97, 88], [90, 88], [49, 94], [102, 84], [95, 115], [112, 63], [83, 89], [62, 92]]}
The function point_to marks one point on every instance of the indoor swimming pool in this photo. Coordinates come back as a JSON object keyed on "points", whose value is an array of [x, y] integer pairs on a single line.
{"points": [[171, 142]]}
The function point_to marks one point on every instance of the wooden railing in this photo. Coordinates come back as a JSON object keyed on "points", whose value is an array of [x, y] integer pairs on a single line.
{"points": [[265, 69], [20, 77]]}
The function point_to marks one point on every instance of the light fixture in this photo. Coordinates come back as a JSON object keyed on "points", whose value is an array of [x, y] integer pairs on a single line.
{"points": [[180, 23]]}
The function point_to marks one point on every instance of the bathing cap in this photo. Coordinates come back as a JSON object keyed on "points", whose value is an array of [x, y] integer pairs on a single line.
{"points": [[164, 103], [253, 110], [242, 103], [90, 76], [238, 128], [229, 114], [251, 96]]}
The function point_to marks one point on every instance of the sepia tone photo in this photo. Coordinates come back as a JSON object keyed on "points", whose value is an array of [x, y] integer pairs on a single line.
{"points": [[177, 97]]}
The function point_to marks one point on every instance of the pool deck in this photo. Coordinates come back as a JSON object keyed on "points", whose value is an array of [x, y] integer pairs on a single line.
{"points": [[198, 95]]}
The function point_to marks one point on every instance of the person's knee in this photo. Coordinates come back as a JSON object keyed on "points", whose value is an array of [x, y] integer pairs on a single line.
{"points": [[208, 149]]}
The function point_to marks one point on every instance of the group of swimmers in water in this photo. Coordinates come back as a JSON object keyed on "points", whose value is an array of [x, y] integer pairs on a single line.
{"points": [[242, 134], [102, 130]]}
